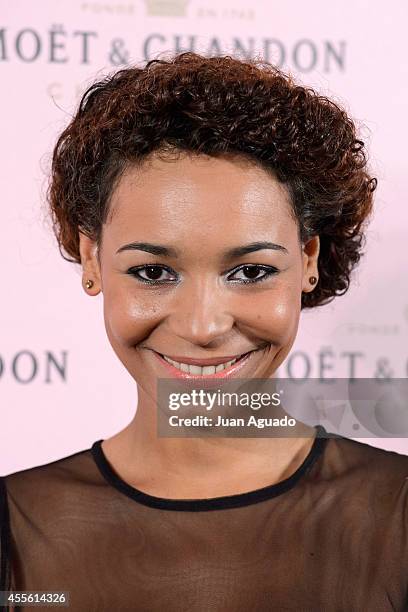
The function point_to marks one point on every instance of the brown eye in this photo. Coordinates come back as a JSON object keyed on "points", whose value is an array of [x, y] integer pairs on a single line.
{"points": [[152, 274], [253, 273]]}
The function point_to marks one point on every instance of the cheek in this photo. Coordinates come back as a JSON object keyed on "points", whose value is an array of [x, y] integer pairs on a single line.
{"points": [[129, 320], [277, 316]]}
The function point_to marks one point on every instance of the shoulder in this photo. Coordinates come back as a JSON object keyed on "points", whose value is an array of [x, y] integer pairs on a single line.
{"points": [[351, 454], [367, 471], [42, 500], [40, 481]]}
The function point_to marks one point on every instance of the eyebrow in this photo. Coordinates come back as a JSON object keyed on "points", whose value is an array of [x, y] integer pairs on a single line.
{"points": [[234, 253], [154, 249], [251, 248]]}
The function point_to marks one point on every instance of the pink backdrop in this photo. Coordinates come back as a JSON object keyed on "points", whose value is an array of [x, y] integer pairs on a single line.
{"points": [[61, 386]]}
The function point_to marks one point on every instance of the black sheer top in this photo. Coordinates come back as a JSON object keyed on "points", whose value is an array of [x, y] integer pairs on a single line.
{"points": [[331, 537]]}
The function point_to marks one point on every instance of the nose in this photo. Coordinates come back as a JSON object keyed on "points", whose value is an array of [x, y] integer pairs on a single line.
{"points": [[202, 313]]}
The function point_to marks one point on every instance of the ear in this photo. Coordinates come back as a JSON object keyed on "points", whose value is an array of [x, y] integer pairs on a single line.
{"points": [[90, 264], [310, 253]]}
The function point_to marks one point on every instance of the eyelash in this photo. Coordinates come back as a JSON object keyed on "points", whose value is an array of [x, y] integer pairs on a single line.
{"points": [[269, 271]]}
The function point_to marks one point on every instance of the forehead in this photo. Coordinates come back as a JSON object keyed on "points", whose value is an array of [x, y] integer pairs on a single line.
{"points": [[191, 195]]}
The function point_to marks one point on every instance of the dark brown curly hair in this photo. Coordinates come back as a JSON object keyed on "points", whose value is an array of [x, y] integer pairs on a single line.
{"points": [[216, 106]]}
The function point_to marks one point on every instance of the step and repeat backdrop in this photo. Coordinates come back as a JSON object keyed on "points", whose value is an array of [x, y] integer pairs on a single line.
{"points": [[61, 386]]}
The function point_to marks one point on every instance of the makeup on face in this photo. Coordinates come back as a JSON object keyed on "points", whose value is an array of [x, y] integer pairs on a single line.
{"points": [[215, 367], [201, 270]]}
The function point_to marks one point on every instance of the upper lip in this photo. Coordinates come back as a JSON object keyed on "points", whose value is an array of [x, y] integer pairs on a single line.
{"points": [[204, 362]]}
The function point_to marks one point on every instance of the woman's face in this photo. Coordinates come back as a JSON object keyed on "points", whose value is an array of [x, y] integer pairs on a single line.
{"points": [[200, 260]]}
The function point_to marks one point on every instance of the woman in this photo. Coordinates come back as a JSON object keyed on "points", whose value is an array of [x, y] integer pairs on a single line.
{"points": [[210, 200]]}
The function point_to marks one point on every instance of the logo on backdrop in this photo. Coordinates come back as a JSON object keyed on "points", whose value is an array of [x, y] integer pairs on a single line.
{"points": [[61, 45], [167, 8], [25, 367]]}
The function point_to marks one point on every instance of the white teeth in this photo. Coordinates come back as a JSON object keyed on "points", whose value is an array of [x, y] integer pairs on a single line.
{"points": [[207, 370], [198, 370], [193, 369]]}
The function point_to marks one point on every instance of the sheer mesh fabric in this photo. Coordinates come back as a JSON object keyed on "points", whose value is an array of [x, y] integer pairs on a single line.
{"points": [[332, 537]]}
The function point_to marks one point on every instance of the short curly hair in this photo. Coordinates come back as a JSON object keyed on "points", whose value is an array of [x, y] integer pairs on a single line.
{"points": [[216, 106]]}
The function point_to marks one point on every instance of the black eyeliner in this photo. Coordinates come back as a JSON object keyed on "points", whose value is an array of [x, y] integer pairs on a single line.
{"points": [[269, 271]]}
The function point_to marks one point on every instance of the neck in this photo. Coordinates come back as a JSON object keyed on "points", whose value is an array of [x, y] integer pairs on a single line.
{"points": [[201, 467]]}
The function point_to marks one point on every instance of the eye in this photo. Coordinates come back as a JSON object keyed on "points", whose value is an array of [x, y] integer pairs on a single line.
{"points": [[153, 274], [254, 273]]}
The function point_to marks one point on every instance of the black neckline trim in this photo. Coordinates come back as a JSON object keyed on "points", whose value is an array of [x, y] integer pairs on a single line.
{"points": [[214, 503]]}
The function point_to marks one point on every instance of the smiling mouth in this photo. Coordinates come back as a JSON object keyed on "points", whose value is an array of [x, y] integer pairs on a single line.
{"points": [[207, 370]]}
